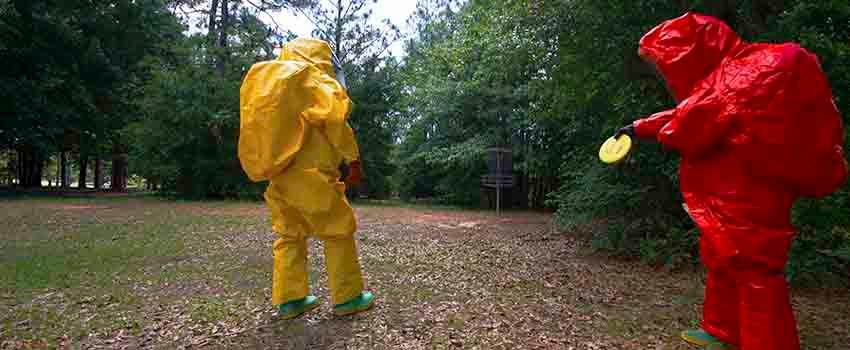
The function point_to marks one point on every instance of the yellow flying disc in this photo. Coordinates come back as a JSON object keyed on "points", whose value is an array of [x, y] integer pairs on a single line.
{"points": [[614, 150]]}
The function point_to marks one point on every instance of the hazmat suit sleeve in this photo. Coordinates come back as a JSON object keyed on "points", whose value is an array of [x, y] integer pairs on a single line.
{"points": [[692, 128], [329, 110], [649, 127], [698, 124]]}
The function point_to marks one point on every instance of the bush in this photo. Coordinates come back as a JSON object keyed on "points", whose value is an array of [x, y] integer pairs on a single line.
{"points": [[821, 252], [629, 210]]}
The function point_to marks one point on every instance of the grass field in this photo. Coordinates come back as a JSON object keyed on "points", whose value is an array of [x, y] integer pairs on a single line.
{"points": [[129, 272]]}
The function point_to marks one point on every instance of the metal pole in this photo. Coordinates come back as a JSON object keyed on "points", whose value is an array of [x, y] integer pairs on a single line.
{"points": [[498, 181]]}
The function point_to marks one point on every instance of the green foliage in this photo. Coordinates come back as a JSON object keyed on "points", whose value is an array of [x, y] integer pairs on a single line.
{"points": [[186, 141], [821, 251], [71, 69], [374, 121], [598, 86], [466, 89]]}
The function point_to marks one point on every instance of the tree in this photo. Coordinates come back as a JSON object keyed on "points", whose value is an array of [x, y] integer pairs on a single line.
{"points": [[468, 90], [77, 61], [346, 26], [186, 141], [375, 121]]}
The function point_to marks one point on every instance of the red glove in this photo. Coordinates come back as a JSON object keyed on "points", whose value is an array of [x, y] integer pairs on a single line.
{"points": [[354, 174]]}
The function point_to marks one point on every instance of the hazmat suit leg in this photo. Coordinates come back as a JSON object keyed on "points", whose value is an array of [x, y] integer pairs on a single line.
{"points": [[336, 230], [290, 276], [748, 304], [747, 301], [767, 320], [721, 294], [344, 276], [292, 198], [290, 279]]}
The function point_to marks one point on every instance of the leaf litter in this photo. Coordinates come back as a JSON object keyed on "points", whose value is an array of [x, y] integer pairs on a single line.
{"points": [[444, 280]]}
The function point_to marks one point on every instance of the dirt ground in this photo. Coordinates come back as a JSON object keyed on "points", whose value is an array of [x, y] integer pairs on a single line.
{"points": [[131, 273]]}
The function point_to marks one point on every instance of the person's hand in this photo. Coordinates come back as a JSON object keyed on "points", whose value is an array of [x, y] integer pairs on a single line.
{"points": [[355, 176], [626, 130]]}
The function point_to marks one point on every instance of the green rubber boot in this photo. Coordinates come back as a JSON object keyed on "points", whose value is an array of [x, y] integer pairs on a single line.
{"points": [[699, 337], [361, 303], [298, 307]]}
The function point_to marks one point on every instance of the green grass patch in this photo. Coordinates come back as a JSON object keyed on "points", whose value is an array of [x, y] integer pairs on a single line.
{"points": [[75, 243]]}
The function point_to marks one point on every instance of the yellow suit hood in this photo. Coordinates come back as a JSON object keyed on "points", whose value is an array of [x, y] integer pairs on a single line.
{"points": [[313, 51]]}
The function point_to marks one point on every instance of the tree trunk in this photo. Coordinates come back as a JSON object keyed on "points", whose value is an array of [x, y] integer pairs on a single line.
{"points": [[338, 31], [211, 33], [223, 27], [31, 164], [98, 173], [119, 172], [9, 166], [18, 169], [58, 173], [184, 184], [84, 164], [63, 169], [37, 164]]}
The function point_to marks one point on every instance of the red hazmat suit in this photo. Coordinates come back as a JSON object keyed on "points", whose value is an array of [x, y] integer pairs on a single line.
{"points": [[756, 128]]}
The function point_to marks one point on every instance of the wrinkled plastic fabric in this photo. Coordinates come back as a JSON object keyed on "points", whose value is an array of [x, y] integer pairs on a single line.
{"points": [[293, 225], [294, 132], [756, 128], [280, 99], [745, 249]]}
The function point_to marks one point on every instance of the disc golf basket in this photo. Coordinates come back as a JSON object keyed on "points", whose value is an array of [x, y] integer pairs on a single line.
{"points": [[499, 173]]}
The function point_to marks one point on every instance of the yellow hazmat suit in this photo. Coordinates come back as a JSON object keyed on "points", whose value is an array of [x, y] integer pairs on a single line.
{"points": [[294, 133]]}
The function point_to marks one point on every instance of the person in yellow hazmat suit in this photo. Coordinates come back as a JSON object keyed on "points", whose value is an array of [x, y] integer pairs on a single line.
{"points": [[294, 133]]}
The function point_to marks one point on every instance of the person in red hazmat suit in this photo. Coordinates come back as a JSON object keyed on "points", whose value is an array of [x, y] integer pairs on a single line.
{"points": [[294, 133], [756, 128]]}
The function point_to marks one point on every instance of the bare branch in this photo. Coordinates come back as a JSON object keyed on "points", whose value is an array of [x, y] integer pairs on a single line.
{"points": [[347, 7], [186, 13], [265, 11], [366, 47], [331, 3], [312, 20], [389, 43]]}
